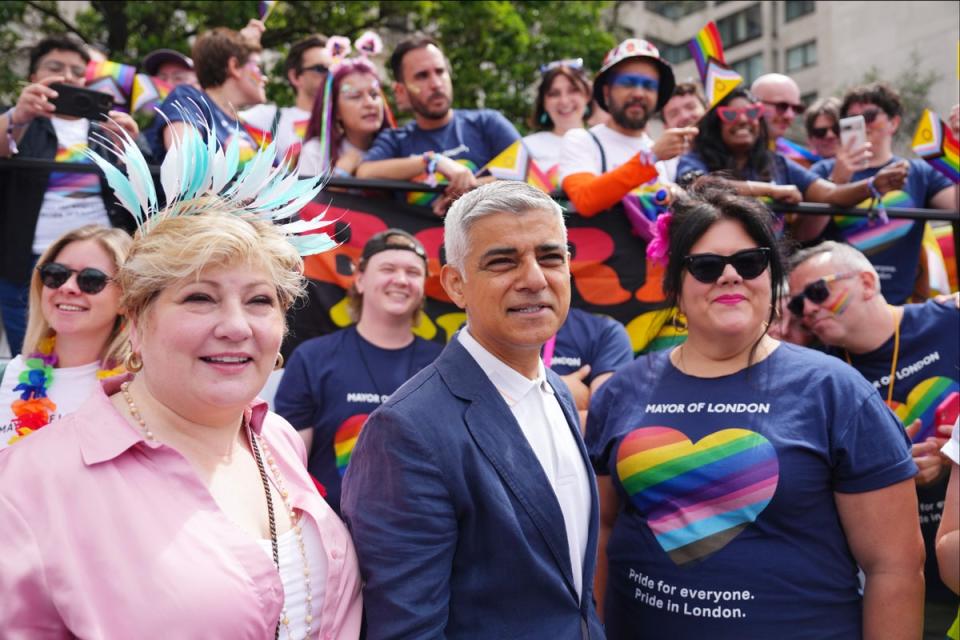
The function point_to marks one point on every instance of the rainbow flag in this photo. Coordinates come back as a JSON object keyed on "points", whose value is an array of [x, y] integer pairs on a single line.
{"points": [[706, 46], [264, 9], [111, 77], [718, 79], [147, 92], [795, 151], [935, 143], [516, 163], [261, 137]]}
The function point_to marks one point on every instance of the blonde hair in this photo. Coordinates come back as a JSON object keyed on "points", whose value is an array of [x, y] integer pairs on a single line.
{"points": [[116, 243], [180, 247]]}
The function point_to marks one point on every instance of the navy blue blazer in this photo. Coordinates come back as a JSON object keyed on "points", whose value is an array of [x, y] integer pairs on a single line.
{"points": [[457, 528]]}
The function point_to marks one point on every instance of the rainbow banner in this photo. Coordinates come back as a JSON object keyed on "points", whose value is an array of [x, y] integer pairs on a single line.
{"points": [[264, 9], [935, 143], [718, 79], [113, 78], [796, 152], [516, 163]]}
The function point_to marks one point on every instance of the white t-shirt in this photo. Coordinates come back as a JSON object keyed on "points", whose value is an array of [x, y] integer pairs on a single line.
{"points": [[292, 578], [70, 388], [545, 148], [952, 448], [71, 200], [311, 157], [291, 128], [580, 154], [537, 411]]}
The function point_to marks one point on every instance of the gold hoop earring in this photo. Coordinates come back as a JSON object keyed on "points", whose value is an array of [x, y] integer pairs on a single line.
{"points": [[279, 363], [133, 362]]}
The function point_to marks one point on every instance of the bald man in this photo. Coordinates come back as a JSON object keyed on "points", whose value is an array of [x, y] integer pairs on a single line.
{"points": [[781, 100]]}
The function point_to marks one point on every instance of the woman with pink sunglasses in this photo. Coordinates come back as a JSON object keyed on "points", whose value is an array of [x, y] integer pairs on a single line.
{"points": [[733, 143]]}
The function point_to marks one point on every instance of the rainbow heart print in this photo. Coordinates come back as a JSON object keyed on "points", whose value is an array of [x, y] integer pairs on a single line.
{"points": [[873, 236], [697, 497], [346, 439], [922, 403]]}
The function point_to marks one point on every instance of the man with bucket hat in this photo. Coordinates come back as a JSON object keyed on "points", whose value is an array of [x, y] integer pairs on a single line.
{"points": [[601, 165]]}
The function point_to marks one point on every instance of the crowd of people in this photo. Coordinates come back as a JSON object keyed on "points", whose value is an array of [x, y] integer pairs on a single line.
{"points": [[790, 468]]}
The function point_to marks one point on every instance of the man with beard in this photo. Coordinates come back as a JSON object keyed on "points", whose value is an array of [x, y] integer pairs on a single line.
{"points": [[600, 165], [454, 143]]}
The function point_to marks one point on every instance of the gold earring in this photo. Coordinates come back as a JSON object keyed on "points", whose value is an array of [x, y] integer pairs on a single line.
{"points": [[133, 362], [279, 363]]}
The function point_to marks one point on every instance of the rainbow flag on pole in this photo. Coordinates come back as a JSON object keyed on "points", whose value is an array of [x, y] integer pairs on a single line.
{"points": [[934, 142], [718, 79]]}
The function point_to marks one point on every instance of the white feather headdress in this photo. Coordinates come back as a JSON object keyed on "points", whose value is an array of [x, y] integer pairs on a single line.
{"points": [[194, 169]]}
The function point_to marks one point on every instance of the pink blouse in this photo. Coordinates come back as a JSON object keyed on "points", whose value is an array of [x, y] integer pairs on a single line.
{"points": [[104, 535]]}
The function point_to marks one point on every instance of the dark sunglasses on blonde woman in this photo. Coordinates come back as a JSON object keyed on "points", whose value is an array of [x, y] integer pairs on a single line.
{"points": [[54, 275]]}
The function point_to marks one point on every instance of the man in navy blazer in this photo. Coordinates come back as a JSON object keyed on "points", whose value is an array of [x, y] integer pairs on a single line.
{"points": [[471, 502]]}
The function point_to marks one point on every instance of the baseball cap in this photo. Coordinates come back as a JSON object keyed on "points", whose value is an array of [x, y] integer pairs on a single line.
{"points": [[155, 59], [391, 239]]}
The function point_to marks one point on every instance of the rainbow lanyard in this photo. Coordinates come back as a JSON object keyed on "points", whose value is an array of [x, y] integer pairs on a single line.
{"points": [[897, 316]]}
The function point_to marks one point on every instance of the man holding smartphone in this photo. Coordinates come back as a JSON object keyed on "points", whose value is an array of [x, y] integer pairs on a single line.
{"points": [[893, 247], [39, 206]]}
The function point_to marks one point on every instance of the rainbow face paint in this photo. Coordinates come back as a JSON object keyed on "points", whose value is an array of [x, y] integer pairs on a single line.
{"points": [[839, 306]]}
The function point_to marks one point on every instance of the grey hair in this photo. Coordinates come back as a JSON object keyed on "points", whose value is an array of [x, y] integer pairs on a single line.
{"points": [[502, 196], [844, 254]]}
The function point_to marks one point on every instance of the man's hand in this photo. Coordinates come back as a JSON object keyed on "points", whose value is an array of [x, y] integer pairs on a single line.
{"points": [[460, 177], [119, 123], [850, 159], [891, 177], [674, 142], [948, 299], [785, 193], [252, 32], [578, 388], [954, 121], [34, 101], [927, 456]]}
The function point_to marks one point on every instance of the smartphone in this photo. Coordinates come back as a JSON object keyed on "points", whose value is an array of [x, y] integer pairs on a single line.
{"points": [[854, 128], [80, 102], [949, 409]]}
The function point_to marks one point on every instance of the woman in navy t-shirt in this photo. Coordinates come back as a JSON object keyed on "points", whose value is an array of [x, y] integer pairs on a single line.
{"points": [[743, 480]]}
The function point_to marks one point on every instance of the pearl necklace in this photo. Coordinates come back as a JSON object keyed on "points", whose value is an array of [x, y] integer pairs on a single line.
{"points": [[257, 443]]}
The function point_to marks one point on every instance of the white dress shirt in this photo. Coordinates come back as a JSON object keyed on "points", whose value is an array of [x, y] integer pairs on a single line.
{"points": [[538, 412]]}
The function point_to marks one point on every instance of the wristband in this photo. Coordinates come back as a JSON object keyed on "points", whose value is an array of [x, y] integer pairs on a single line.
{"points": [[878, 199], [434, 160], [11, 143]]}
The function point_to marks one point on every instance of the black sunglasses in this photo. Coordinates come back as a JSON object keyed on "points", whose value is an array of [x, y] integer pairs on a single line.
{"points": [[821, 132], [816, 292], [708, 267], [781, 107], [317, 68], [870, 114], [54, 275]]}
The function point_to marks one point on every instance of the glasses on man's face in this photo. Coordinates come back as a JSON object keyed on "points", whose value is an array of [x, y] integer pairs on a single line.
{"points": [[635, 81], [708, 267], [732, 114], [816, 292], [821, 132], [316, 68], [61, 68], [54, 275], [869, 114], [572, 63], [782, 107]]}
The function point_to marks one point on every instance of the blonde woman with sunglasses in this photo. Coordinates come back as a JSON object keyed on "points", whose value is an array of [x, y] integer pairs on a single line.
{"points": [[74, 335]]}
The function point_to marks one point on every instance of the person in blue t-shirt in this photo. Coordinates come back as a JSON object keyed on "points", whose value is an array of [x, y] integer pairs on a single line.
{"points": [[228, 68], [332, 383], [743, 480], [918, 343], [452, 143], [586, 351], [894, 246], [733, 142]]}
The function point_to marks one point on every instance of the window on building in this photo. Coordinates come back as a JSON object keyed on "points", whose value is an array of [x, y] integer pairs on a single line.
{"points": [[809, 98], [802, 56], [796, 8], [749, 68], [674, 10], [740, 26], [672, 53]]}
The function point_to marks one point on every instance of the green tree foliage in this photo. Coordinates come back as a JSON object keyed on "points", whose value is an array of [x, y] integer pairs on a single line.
{"points": [[495, 47]]}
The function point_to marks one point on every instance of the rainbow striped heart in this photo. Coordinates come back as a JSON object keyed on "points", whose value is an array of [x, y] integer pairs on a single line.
{"points": [[697, 497], [346, 439]]}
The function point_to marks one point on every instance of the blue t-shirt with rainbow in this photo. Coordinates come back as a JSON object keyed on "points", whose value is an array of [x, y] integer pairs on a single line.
{"points": [[332, 383], [927, 373], [893, 248], [728, 526]]}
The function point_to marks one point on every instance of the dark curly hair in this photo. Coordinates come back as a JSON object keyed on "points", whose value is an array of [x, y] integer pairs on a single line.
{"points": [[708, 201], [877, 93], [709, 145]]}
